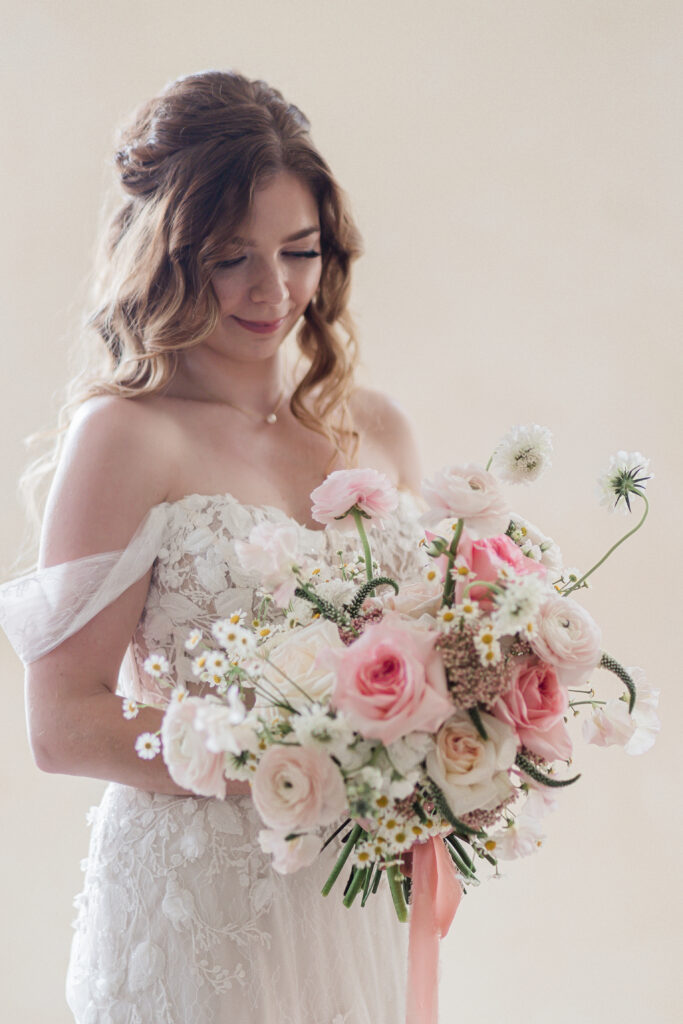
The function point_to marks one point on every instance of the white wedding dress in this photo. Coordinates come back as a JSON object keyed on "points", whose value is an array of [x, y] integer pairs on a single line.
{"points": [[182, 919]]}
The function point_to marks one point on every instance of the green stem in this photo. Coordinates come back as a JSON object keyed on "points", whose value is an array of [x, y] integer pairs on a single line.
{"points": [[475, 718], [614, 547], [369, 878], [358, 881], [358, 520], [396, 886], [356, 833], [449, 582]]}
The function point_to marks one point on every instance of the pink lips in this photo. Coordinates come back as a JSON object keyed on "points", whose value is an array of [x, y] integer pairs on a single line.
{"points": [[261, 326]]}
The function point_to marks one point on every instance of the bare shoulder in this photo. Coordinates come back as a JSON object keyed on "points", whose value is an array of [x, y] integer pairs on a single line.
{"points": [[385, 423], [116, 463]]}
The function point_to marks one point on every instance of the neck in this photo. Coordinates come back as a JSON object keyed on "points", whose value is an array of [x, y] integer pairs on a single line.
{"points": [[204, 375]]}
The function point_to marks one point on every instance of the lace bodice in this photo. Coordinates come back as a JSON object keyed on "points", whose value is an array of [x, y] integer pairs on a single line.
{"points": [[197, 577]]}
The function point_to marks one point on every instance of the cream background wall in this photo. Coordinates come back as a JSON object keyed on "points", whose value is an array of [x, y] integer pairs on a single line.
{"points": [[515, 169]]}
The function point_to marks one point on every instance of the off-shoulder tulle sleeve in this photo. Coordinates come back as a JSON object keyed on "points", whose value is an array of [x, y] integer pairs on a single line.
{"points": [[39, 611]]}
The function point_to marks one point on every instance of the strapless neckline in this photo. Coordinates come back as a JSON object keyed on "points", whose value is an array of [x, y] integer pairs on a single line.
{"points": [[227, 496]]}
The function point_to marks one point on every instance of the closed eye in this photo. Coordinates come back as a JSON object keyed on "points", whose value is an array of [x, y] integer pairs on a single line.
{"points": [[309, 254]]}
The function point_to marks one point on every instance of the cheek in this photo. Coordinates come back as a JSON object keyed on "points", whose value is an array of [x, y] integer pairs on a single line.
{"points": [[307, 282]]}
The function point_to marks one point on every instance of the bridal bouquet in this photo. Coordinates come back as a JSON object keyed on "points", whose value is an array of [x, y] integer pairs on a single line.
{"points": [[425, 725]]}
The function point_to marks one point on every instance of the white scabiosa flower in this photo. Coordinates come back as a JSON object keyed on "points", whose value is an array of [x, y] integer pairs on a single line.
{"points": [[626, 474], [523, 454], [156, 664], [130, 708], [147, 745]]}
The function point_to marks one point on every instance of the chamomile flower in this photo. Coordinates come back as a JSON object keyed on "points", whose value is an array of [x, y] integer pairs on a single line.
{"points": [[130, 708], [446, 619], [156, 664], [626, 474], [522, 454], [461, 571], [217, 663], [199, 664], [147, 745], [431, 574], [178, 695], [467, 609], [193, 639], [487, 645]]}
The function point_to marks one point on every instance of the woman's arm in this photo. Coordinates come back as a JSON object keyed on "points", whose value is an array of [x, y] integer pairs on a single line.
{"points": [[114, 469]]}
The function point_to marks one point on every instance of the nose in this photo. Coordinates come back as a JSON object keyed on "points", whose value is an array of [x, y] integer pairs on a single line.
{"points": [[269, 285]]}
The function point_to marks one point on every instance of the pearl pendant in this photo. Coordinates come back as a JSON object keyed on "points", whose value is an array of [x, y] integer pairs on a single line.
{"points": [[271, 418]]}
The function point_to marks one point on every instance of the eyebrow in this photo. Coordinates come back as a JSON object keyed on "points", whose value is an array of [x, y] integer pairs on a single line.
{"points": [[304, 233]]}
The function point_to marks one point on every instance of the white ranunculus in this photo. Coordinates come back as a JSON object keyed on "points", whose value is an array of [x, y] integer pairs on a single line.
{"points": [[568, 639], [472, 773], [289, 855], [292, 664]]}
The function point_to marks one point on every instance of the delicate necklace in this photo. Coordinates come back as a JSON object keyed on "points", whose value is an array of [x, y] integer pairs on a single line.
{"points": [[259, 417]]}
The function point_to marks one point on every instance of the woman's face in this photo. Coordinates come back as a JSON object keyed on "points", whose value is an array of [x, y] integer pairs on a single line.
{"points": [[272, 273]]}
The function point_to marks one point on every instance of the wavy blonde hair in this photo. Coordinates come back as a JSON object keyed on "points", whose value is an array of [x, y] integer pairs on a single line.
{"points": [[189, 163]]}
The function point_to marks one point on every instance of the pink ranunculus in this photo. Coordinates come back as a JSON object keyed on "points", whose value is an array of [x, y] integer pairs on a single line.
{"points": [[271, 552], [189, 762], [372, 492], [567, 638], [467, 492], [298, 788], [535, 705], [289, 855], [391, 681], [487, 557]]}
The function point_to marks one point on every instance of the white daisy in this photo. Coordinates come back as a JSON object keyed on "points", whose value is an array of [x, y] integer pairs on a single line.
{"points": [[178, 694], [446, 619], [156, 664], [130, 708], [522, 454], [147, 746], [199, 664], [193, 639]]}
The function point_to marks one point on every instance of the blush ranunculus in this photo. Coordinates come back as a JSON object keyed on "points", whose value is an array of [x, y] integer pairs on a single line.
{"points": [[391, 681], [190, 763], [372, 492], [467, 492], [567, 638], [298, 788], [487, 557], [535, 705], [472, 773]]}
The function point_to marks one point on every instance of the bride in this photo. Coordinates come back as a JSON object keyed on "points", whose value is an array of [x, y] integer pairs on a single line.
{"points": [[231, 234]]}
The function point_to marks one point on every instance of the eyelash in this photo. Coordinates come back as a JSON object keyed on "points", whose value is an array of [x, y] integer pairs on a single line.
{"points": [[310, 254]]}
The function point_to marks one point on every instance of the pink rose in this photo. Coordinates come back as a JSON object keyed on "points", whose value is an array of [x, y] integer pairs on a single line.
{"points": [[391, 681], [370, 491], [568, 638], [298, 788], [470, 493], [289, 855], [272, 551], [189, 761], [487, 558], [535, 705]]}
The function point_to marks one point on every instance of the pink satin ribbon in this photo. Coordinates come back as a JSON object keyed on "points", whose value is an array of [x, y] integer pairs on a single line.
{"points": [[436, 895]]}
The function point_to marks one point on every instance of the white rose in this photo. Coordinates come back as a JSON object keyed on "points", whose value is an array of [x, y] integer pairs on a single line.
{"points": [[472, 773], [292, 659]]}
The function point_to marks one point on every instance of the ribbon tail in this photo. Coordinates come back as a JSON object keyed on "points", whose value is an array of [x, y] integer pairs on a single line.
{"points": [[436, 894]]}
